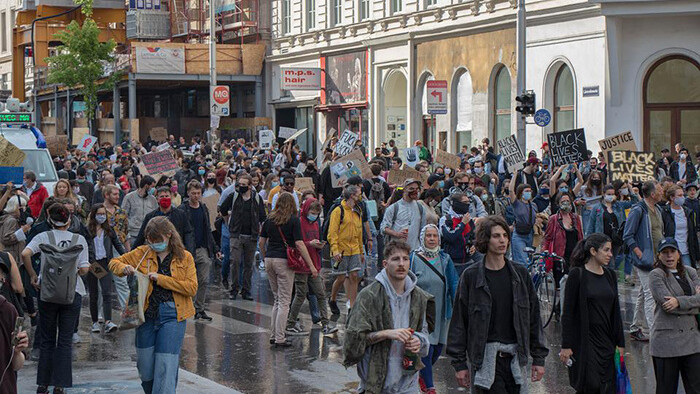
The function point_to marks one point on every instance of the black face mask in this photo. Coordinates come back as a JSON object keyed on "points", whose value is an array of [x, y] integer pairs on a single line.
{"points": [[595, 182], [460, 208], [211, 181], [242, 189]]}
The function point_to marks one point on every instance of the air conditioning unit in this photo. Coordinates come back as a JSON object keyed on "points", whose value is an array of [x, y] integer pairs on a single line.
{"points": [[147, 24]]}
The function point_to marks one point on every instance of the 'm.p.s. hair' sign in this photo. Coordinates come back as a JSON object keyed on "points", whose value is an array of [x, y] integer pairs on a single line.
{"points": [[631, 166], [568, 147]]}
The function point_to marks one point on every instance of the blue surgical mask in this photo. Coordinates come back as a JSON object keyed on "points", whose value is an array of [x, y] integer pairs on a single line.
{"points": [[202, 172], [478, 170], [527, 196], [100, 218], [159, 246], [679, 201], [312, 218], [274, 184], [563, 189], [152, 191], [484, 197], [441, 184]]}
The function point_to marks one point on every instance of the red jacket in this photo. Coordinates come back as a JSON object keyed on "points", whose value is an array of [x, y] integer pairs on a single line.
{"points": [[309, 232], [36, 200], [555, 236]]}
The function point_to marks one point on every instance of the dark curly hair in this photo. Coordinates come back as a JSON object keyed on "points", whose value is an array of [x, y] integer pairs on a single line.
{"points": [[483, 231]]}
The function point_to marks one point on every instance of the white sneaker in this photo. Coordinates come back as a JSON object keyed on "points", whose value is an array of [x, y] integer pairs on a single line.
{"points": [[76, 337], [95, 328], [110, 327]]}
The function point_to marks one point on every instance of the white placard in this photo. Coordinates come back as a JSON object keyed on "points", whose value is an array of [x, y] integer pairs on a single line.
{"points": [[266, 138], [163, 146], [346, 143], [286, 132], [86, 143], [411, 156]]}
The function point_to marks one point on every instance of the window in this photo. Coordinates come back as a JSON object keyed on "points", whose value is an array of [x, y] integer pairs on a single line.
{"points": [[3, 26], [286, 17], [502, 105], [463, 108], [310, 14], [364, 9], [396, 6], [336, 12], [564, 99], [428, 3]]}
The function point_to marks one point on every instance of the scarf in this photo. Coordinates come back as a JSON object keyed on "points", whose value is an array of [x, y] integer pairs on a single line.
{"points": [[425, 251]]}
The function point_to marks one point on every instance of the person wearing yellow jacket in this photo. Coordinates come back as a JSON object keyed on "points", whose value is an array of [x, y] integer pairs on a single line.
{"points": [[345, 239], [173, 283]]}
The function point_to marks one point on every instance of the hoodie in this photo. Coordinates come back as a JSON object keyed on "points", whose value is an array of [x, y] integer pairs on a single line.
{"points": [[309, 232]]}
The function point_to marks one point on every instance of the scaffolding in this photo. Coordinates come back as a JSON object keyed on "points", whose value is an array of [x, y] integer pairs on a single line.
{"points": [[236, 20]]}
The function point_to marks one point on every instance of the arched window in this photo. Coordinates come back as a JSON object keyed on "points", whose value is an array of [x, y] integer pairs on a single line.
{"points": [[564, 114], [501, 105], [672, 103], [463, 105]]}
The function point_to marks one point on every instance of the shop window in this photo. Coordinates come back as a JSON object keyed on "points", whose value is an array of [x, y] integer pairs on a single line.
{"points": [[564, 114], [502, 105]]}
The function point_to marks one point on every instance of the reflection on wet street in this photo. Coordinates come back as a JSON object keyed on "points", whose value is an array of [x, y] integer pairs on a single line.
{"points": [[233, 351]]}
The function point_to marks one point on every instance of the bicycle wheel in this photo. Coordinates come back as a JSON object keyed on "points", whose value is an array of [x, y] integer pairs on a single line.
{"points": [[547, 296]]}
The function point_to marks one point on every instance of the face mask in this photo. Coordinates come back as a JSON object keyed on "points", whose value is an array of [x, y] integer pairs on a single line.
{"points": [[312, 218], [625, 192], [173, 189], [679, 200], [159, 246], [100, 218], [484, 197], [683, 156], [274, 184], [595, 182], [609, 198], [448, 171], [152, 191], [478, 170], [243, 189], [81, 180], [441, 184], [469, 193], [211, 181], [565, 207], [201, 172], [165, 202], [460, 208], [506, 191], [544, 192], [209, 162], [527, 196], [564, 189]]}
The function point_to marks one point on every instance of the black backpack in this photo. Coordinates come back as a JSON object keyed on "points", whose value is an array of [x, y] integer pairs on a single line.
{"points": [[327, 221], [376, 193]]}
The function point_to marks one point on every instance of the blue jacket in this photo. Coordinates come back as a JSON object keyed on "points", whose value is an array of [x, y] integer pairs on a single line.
{"points": [[451, 280], [595, 221], [638, 234]]}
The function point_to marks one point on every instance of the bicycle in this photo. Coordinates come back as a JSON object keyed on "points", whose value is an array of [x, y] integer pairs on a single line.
{"points": [[543, 280]]}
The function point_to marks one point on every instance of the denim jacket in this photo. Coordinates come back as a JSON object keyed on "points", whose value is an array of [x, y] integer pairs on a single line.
{"points": [[638, 234], [595, 221]]}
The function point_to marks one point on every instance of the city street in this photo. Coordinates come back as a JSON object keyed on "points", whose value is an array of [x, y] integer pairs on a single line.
{"points": [[232, 353]]}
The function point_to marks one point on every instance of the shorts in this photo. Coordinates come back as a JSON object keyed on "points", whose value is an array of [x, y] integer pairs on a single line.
{"points": [[347, 265]]}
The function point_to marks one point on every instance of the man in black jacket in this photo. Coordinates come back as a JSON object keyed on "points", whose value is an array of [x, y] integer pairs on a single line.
{"points": [[496, 320], [327, 192], [176, 217], [198, 217]]}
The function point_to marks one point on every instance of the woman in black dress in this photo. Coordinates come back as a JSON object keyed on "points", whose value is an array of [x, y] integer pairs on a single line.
{"points": [[591, 322]]}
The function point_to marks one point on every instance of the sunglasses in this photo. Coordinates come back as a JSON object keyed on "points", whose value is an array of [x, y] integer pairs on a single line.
{"points": [[289, 183]]}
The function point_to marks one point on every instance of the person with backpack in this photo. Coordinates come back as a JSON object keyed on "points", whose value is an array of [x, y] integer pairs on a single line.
{"points": [[64, 256], [404, 219], [377, 190]]}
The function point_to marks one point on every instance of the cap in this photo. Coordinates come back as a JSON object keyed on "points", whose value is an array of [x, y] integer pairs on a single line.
{"points": [[667, 243], [689, 185], [410, 181], [544, 144]]}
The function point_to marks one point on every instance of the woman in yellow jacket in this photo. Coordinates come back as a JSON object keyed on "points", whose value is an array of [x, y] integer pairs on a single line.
{"points": [[168, 303]]}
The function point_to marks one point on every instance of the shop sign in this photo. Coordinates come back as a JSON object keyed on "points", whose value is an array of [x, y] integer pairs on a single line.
{"points": [[157, 60], [346, 78], [300, 78]]}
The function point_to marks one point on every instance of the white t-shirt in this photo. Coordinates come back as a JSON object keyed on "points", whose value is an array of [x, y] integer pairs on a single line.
{"points": [[64, 236], [681, 229]]}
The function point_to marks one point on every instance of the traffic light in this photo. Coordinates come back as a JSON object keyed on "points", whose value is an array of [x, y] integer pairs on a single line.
{"points": [[527, 103]]}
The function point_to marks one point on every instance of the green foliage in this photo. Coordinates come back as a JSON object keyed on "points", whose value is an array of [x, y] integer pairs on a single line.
{"points": [[86, 6], [81, 61]]}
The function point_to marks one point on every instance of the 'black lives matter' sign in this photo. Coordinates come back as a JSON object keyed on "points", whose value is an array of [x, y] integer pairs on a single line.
{"points": [[631, 166], [512, 154], [568, 147]]}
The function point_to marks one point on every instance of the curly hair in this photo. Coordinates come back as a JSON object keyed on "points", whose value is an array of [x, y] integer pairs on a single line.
{"points": [[483, 231]]}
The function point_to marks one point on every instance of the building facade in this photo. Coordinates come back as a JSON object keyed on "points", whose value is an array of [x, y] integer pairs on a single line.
{"points": [[607, 66], [8, 9]]}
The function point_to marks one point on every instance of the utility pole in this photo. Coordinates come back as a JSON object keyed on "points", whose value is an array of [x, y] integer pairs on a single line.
{"points": [[520, 79], [212, 60]]}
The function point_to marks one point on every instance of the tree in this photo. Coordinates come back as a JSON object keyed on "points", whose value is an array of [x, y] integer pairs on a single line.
{"points": [[80, 63]]}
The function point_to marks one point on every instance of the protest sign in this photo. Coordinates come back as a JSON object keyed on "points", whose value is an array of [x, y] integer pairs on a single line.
{"points": [[78, 134], [214, 121], [329, 136], [162, 147], [567, 147], [86, 143], [57, 145], [286, 132], [346, 143], [623, 141], [211, 204], [266, 138], [11, 155], [11, 174], [158, 134], [295, 135], [512, 154], [304, 184], [397, 177], [349, 165], [630, 166], [159, 162], [447, 159], [411, 156]]}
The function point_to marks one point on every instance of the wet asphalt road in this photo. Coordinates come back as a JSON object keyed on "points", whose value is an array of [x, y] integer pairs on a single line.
{"points": [[234, 351]]}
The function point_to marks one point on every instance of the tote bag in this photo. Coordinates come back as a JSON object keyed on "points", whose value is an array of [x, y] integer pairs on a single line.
{"points": [[133, 314]]}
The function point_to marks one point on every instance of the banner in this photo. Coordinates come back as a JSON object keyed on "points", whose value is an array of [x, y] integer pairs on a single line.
{"points": [[447, 159], [159, 162], [163, 146], [346, 143], [567, 147], [329, 136], [157, 60], [397, 177], [295, 135], [11, 174], [78, 134], [86, 143], [352, 164], [346, 78], [630, 166], [512, 154], [266, 138], [624, 141]]}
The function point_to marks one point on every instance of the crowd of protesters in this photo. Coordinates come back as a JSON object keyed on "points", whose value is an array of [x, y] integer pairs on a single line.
{"points": [[452, 249]]}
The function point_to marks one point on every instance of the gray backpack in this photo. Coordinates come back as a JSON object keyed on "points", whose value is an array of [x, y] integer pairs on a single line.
{"points": [[59, 270]]}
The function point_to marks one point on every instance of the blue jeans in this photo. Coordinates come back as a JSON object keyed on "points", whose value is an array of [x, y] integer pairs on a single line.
{"points": [[158, 344], [427, 372], [55, 360], [519, 243], [226, 252]]}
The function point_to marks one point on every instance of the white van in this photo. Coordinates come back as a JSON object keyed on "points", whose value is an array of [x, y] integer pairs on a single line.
{"points": [[38, 159]]}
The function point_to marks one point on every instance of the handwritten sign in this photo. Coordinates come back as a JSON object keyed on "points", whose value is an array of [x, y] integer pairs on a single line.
{"points": [[568, 147], [286, 132], [266, 137], [87, 143], [397, 177], [11, 174], [411, 156], [512, 154], [353, 164], [11, 155], [304, 184], [211, 202], [159, 162], [346, 143], [162, 147], [630, 166], [78, 134], [56, 144], [624, 141], [158, 134], [447, 159]]}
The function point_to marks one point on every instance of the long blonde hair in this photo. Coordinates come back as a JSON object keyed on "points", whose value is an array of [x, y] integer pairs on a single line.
{"points": [[70, 193], [158, 228], [284, 210]]}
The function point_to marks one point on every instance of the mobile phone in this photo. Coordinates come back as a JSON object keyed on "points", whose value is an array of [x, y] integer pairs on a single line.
{"points": [[18, 329]]}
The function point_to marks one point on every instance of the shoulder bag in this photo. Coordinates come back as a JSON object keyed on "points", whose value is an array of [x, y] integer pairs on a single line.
{"points": [[294, 260]]}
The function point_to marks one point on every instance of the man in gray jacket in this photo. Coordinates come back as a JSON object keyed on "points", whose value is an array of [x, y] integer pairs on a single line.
{"points": [[138, 204], [643, 231]]}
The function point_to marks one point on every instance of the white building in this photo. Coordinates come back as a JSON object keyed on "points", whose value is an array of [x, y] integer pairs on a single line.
{"points": [[603, 65], [8, 10]]}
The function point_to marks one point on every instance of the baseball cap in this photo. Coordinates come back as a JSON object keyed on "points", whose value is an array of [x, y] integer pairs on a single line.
{"points": [[667, 243], [689, 185], [411, 181]]}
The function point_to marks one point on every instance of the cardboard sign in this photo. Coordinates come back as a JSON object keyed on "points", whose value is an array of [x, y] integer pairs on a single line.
{"points": [[78, 134], [159, 162], [397, 177], [630, 166], [411, 156], [346, 143], [57, 145], [86, 143], [512, 154], [11, 155], [211, 204], [624, 141], [295, 135], [329, 136], [214, 121], [162, 147], [286, 132], [98, 270], [158, 134], [304, 184], [349, 165], [447, 159], [266, 138], [567, 147], [11, 174]]}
